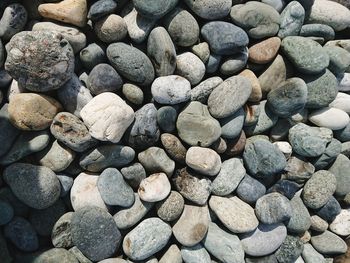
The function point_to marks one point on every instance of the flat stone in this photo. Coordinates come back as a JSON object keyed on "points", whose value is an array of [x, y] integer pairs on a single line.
{"points": [[231, 173], [234, 63], [318, 224], [341, 224], [13, 20], [131, 63], [318, 32], [328, 243], [56, 255], [196, 126], [192, 226], [110, 155], [319, 189], [202, 91], [128, 217], [61, 232], [264, 51], [234, 40], [305, 54], [150, 229], [171, 208], [264, 240], [32, 112], [326, 117], [311, 255], [154, 10], [154, 159], [174, 147], [250, 189], [300, 220], [111, 29], [171, 89], [204, 160], [95, 233], [196, 253], [36, 186], [259, 19], [85, 193], [292, 19], [290, 250], [154, 188], [191, 67], [339, 170], [69, 11], [235, 214], [107, 117]]}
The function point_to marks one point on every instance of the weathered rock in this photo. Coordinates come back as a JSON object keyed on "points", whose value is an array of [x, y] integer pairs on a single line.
{"points": [[203, 160], [171, 208], [155, 160], [328, 243], [292, 19], [13, 20], [174, 147], [339, 170], [154, 188], [61, 232]]}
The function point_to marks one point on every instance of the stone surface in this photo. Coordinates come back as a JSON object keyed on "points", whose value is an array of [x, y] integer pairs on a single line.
{"points": [[156, 9], [154, 188], [191, 67], [234, 63], [290, 250], [7, 212], [56, 255], [166, 118], [311, 255], [13, 20], [8, 133], [340, 225], [171, 208], [101, 8], [300, 220], [210, 10], [111, 29], [155, 160], [339, 170], [92, 55], [264, 51], [332, 151], [330, 210], [61, 231], [231, 126], [203, 160], [331, 118], [341, 102], [339, 59], [202, 91], [292, 19], [172, 255], [319, 32], [328, 243], [196, 253], [174, 147], [250, 189]]}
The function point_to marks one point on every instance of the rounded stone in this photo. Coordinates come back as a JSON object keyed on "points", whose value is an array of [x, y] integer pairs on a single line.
{"points": [[320, 32], [319, 189], [204, 160], [32, 112], [210, 10], [36, 186], [13, 20], [229, 96], [191, 67], [171, 208], [46, 66], [300, 220], [195, 253], [231, 126], [330, 210], [61, 231], [92, 55], [273, 208], [202, 91], [341, 224], [318, 224], [264, 51], [156, 9], [172, 89], [111, 29], [95, 233], [202, 51], [342, 102], [107, 117], [331, 118], [133, 93], [131, 63], [292, 19], [166, 118], [134, 174], [149, 229], [56, 255], [101, 8], [174, 147], [263, 159], [6, 212], [329, 243], [154, 188], [290, 250], [305, 54], [113, 189], [234, 39], [155, 160], [340, 170], [250, 189], [103, 78]]}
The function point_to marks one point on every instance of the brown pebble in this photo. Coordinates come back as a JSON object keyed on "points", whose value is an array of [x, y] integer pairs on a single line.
{"points": [[174, 147], [236, 146], [264, 51]]}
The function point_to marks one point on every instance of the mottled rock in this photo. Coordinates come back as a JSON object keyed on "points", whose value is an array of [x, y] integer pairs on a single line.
{"points": [[171, 208], [61, 232], [154, 159], [154, 188], [328, 243], [300, 220], [292, 19], [290, 250], [191, 67], [264, 51], [174, 147], [202, 91]]}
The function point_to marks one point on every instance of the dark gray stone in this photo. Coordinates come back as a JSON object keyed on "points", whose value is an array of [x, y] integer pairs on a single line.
{"points": [[300, 218], [61, 231], [4, 251], [113, 189], [155, 9], [101, 8], [233, 41], [105, 156], [213, 63], [290, 250], [8, 133], [285, 187], [171, 208], [330, 210], [19, 208], [47, 65], [343, 135], [318, 31], [95, 233], [6, 212], [250, 189], [340, 169], [92, 55], [56, 255], [36, 186], [166, 118], [131, 63], [5, 78], [231, 126], [2, 54], [66, 184], [13, 20], [134, 174], [234, 63], [330, 154]]}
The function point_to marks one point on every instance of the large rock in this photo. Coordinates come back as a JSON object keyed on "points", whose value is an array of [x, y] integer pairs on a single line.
{"points": [[209, 9]]}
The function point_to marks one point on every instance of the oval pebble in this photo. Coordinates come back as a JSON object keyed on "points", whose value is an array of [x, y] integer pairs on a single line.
{"points": [[154, 188], [331, 118], [203, 160]]}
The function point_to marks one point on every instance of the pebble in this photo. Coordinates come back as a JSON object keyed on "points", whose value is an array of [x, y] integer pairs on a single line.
{"points": [[113, 189], [22, 234], [285, 148], [298, 170], [172, 255], [7, 212], [265, 51], [203, 160], [210, 10], [330, 210], [95, 233], [231, 126], [339, 59], [290, 250], [174, 147], [273, 208], [328, 243], [56, 255], [288, 98], [92, 55], [131, 63], [233, 41], [319, 189], [332, 151], [339, 170], [45, 67], [69, 11], [129, 217], [196, 253], [171, 208], [134, 174], [61, 232], [236, 146], [329, 13], [292, 19], [213, 63], [249, 189], [36, 186], [311, 255], [191, 67], [263, 159], [103, 78], [85, 193], [166, 118], [235, 214], [231, 174], [318, 224], [107, 117], [331, 118], [300, 220], [154, 188], [182, 27], [264, 240], [19, 208], [202, 91], [202, 51], [343, 135], [155, 159], [305, 54], [161, 51], [2, 54], [79, 255], [285, 187], [101, 8], [318, 32], [133, 93], [172, 89], [192, 226], [110, 155], [149, 229], [340, 224], [259, 19], [196, 126], [13, 20], [341, 102], [74, 36], [229, 96], [156, 9], [74, 96], [235, 63], [191, 186], [309, 141], [110, 29]]}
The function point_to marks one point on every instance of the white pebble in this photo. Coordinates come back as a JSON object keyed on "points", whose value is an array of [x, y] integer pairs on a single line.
{"points": [[154, 188], [330, 118]]}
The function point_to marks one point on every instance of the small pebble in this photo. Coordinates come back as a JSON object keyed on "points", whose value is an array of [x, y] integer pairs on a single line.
{"points": [[203, 160], [154, 188], [171, 208], [155, 160]]}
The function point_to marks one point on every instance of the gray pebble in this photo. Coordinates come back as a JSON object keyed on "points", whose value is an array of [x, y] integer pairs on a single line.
{"points": [[66, 184], [101, 8], [133, 93], [20, 209], [318, 224], [330, 154], [6, 212], [292, 19], [166, 118], [155, 9], [171, 208], [340, 170], [195, 254], [343, 135], [92, 55], [202, 51], [231, 126], [79, 255], [56, 255], [213, 63], [172, 255], [191, 67], [113, 189], [328, 243], [110, 29], [300, 220], [285, 187], [290, 250], [13, 20], [250, 189], [311, 255], [339, 59], [298, 170], [234, 63], [318, 31], [330, 210], [134, 174], [174, 147], [202, 91], [210, 10]]}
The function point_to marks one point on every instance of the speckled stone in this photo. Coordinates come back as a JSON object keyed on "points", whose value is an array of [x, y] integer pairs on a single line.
{"points": [[203, 160], [300, 219], [174, 147], [265, 51], [171, 208], [292, 19], [202, 91], [155, 159], [328, 243], [290, 250]]}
